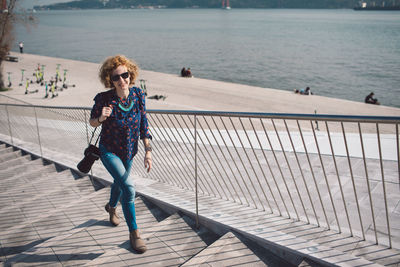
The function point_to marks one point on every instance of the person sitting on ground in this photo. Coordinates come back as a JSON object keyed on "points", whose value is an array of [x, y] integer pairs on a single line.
{"points": [[369, 99], [188, 73], [305, 92], [183, 72]]}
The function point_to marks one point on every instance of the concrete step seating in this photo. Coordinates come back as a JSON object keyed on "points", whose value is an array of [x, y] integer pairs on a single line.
{"points": [[53, 216]]}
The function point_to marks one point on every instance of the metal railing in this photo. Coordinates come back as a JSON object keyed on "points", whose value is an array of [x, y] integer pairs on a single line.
{"points": [[337, 172]]}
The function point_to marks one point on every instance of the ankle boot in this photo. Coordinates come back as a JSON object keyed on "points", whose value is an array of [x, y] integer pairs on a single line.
{"points": [[137, 243], [114, 219]]}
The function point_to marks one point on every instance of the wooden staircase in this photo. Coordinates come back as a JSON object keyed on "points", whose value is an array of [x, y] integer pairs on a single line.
{"points": [[54, 216]]}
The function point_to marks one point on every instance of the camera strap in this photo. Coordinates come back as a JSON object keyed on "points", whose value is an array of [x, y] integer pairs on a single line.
{"points": [[93, 136], [140, 99]]}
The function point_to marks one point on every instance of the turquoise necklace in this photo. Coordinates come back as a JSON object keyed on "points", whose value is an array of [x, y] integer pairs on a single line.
{"points": [[127, 106]]}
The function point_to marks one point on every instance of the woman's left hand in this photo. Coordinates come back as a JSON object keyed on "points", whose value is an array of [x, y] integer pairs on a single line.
{"points": [[147, 161]]}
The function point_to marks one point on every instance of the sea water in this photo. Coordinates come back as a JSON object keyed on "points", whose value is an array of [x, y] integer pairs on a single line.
{"points": [[338, 53]]}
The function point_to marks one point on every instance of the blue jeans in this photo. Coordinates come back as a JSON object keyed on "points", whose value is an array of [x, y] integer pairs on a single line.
{"points": [[122, 188]]}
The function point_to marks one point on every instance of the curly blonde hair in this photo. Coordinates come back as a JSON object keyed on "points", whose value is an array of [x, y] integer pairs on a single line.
{"points": [[111, 63]]}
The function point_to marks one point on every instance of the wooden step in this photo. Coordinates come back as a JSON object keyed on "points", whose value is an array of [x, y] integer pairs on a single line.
{"points": [[229, 250], [10, 155], [89, 240], [18, 165], [19, 183], [170, 242], [49, 220], [6, 149]]}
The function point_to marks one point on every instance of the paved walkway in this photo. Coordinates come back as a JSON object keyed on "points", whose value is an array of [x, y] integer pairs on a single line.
{"points": [[182, 93]]}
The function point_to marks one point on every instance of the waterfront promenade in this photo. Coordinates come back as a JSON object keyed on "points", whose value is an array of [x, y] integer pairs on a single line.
{"points": [[182, 93], [284, 232]]}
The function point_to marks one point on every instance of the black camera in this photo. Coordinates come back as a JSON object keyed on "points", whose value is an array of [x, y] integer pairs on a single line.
{"points": [[91, 153]]}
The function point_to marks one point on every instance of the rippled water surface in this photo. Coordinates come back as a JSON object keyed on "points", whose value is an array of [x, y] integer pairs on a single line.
{"points": [[339, 53]]}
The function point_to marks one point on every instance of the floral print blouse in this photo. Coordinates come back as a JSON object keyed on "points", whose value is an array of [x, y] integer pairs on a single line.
{"points": [[121, 131]]}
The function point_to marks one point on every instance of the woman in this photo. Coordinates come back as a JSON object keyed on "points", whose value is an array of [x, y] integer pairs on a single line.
{"points": [[121, 113]]}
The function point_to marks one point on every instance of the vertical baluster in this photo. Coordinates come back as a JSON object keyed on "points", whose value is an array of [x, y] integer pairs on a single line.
{"points": [[38, 132], [157, 173], [398, 151], [215, 166], [251, 164], [226, 160], [384, 185], [352, 180], [290, 171], [326, 178], [302, 176], [338, 178], [164, 172], [212, 177], [368, 183], [204, 177], [248, 159], [178, 178], [220, 176], [270, 170], [261, 168], [175, 151], [279, 168], [86, 127], [195, 172], [232, 160], [9, 125], [186, 125], [240, 158], [313, 175], [180, 151]]}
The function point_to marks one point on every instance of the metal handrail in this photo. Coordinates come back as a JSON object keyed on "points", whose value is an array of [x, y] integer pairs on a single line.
{"points": [[289, 116], [276, 163]]}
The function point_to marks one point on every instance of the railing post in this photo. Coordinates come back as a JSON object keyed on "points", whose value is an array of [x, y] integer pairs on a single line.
{"points": [[316, 122], [37, 127], [383, 184], [398, 151], [9, 125], [195, 171], [86, 127]]}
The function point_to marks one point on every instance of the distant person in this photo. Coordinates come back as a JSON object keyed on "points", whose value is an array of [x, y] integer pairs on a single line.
{"points": [[188, 73], [157, 97], [307, 91], [183, 72], [369, 99], [21, 47]]}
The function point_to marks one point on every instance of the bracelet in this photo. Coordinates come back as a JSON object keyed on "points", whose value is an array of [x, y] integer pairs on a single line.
{"points": [[148, 149], [98, 119]]}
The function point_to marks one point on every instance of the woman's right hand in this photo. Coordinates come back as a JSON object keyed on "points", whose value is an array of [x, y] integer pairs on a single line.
{"points": [[105, 113]]}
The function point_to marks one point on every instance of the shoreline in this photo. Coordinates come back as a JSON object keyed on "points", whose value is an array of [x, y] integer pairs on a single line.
{"points": [[181, 93]]}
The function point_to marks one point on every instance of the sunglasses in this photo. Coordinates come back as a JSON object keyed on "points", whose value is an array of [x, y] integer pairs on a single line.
{"points": [[115, 78]]}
